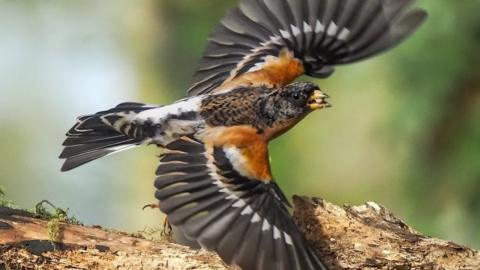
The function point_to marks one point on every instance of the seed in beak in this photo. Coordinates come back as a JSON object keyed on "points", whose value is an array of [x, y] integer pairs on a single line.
{"points": [[317, 100]]}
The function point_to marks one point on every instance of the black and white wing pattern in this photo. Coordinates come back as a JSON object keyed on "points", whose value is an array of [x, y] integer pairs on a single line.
{"points": [[245, 221], [320, 33]]}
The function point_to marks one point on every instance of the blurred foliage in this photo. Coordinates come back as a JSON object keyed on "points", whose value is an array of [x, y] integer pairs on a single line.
{"points": [[439, 115], [403, 130]]}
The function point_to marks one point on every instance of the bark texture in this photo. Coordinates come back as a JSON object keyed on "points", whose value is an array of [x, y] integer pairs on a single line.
{"points": [[370, 237], [360, 237]]}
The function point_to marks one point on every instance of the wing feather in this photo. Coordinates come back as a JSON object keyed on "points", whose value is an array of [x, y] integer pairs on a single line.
{"points": [[246, 221], [319, 33]]}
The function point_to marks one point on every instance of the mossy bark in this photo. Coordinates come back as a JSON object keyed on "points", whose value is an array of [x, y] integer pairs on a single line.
{"points": [[361, 237]]}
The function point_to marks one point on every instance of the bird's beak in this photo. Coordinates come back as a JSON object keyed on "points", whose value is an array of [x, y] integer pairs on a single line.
{"points": [[317, 100]]}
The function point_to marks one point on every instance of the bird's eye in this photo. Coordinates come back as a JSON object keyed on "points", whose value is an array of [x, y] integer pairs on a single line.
{"points": [[296, 96]]}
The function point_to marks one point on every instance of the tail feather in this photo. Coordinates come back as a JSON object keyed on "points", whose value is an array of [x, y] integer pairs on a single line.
{"points": [[72, 141], [75, 161], [85, 148], [104, 133]]}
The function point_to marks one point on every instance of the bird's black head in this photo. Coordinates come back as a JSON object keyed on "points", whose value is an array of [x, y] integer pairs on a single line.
{"points": [[294, 101], [284, 107]]}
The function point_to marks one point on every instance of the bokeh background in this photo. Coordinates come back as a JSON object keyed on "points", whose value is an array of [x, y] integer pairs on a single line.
{"points": [[404, 130]]}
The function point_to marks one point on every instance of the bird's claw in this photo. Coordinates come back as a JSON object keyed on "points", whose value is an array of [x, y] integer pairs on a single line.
{"points": [[151, 206], [167, 229]]}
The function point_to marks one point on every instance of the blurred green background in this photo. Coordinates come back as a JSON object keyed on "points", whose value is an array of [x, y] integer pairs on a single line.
{"points": [[404, 129]]}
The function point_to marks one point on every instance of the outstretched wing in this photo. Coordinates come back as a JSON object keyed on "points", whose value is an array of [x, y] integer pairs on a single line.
{"points": [[246, 48], [244, 220]]}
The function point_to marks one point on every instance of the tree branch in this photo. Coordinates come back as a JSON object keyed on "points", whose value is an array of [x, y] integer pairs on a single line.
{"points": [[361, 237], [370, 237]]}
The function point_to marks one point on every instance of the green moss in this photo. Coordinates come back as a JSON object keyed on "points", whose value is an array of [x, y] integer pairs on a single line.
{"points": [[55, 218], [53, 228], [4, 201], [41, 211]]}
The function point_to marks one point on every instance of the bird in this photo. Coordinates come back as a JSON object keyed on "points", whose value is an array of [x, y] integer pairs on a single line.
{"points": [[214, 179]]}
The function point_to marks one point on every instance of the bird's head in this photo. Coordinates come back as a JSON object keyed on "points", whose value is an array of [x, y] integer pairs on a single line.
{"points": [[286, 106]]}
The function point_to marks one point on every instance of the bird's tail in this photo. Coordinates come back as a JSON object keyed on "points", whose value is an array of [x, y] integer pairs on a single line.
{"points": [[101, 134]]}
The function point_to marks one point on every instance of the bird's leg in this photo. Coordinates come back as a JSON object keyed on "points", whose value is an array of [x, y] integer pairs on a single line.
{"points": [[167, 229]]}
